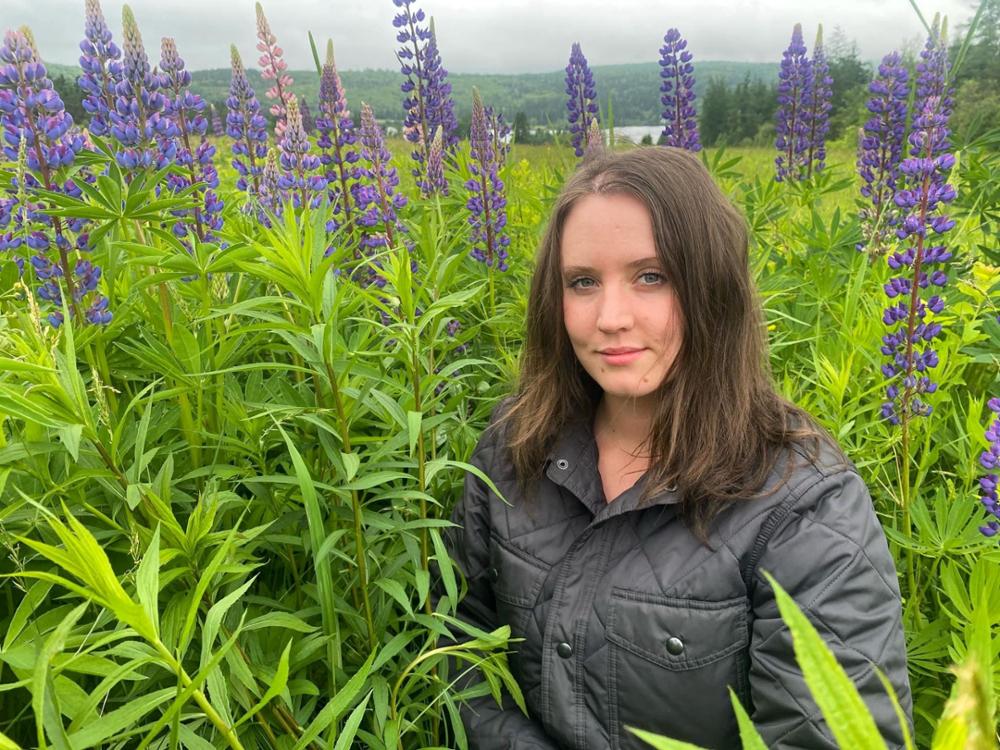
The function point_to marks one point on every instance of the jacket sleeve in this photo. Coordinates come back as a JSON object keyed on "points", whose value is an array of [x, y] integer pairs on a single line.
{"points": [[829, 553], [489, 726]]}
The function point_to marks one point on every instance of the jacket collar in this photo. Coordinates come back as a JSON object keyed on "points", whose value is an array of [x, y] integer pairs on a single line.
{"points": [[572, 464]]}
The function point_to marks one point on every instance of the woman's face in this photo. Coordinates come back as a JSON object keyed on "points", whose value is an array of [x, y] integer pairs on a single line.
{"points": [[621, 314]]}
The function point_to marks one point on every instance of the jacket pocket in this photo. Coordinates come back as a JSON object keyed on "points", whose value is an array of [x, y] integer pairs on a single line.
{"points": [[516, 578], [670, 661]]}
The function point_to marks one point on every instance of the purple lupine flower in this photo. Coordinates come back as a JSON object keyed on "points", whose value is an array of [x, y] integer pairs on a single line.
{"points": [[435, 182], [336, 140], [247, 127], [487, 202], [791, 123], [136, 122], [881, 151], [582, 102], [102, 69], [375, 198], [308, 122], [185, 110], [269, 200], [990, 460], [908, 344], [298, 163], [932, 73], [37, 134], [272, 68], [439, 104], [818, 103], [217, 129], [677, 93], [427, 101]]}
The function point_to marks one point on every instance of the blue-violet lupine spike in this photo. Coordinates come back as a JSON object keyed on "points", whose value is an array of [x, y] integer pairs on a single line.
{"points": [[38, 135], [102, 69], [376, 200], [337, 141], [581, 105], [818, 104], [426, 91], [247, 127], [217, 128], [194, 152], [932, 77], [308, 122], [270, 199], [881, 151], [677, 93], [990, 460], [499, 132], [908, 345], [791, 124], [143, 135], [298, 163], [487, 202]]}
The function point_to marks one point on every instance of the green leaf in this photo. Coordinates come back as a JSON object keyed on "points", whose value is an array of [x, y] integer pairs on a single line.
{"points": [[278, 684], [748, 732], [350, 729], [110, 724], [396, 591], [338, 704], [29, 603], [70, 436], [48, 718], [147, 580], [8, 744], [846, 715], [662, 743], [351, 463], [413, 419]]}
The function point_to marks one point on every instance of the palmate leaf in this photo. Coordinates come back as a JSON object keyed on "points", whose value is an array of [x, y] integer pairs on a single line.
{"points": [[847, 716]]}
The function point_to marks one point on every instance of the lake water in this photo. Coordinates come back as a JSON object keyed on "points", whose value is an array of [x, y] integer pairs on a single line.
{"points": [[635, 133]]}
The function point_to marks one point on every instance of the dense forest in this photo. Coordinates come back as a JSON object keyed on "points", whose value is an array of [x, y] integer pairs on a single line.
{"points": [[736, 100]]}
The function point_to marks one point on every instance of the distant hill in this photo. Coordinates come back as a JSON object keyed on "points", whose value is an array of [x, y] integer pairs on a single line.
{"points": [[633, 89]]}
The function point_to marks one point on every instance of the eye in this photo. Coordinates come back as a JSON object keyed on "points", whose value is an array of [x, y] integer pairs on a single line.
{"points": [[581, 282], [650, 278]]}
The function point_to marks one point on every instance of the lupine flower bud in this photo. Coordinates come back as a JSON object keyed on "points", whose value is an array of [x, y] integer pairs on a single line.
{"points": [[990, 460], [272, 68], [791, 124], [102, 69], [818, 104], [247, 127], [932, 73], [908, 344], [487, 201], [270, 199], [677, 93], [436, 182], [306, 189], [595, 141], [582, 103], [881, 151], [308, 123]]}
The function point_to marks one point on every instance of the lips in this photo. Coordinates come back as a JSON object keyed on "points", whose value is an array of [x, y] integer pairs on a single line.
{"points": [[620, 355]]}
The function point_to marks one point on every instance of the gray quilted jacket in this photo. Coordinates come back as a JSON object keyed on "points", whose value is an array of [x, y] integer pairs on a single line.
{"points": [[628, 620]]}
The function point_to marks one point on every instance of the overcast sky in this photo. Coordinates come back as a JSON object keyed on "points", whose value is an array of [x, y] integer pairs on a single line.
{"points": [[489, 36]]}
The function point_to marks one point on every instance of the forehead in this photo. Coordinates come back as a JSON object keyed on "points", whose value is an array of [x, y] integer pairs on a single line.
{"points": [[608, 228]]}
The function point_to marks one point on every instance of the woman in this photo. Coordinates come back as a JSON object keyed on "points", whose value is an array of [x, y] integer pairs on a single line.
{"points": [[652, 475]]}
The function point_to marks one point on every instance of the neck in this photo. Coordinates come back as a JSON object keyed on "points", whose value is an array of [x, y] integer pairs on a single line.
{"points": [[626, 421]]}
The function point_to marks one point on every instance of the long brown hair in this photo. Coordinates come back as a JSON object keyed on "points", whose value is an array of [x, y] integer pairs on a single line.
{"points": [[719, 426]]}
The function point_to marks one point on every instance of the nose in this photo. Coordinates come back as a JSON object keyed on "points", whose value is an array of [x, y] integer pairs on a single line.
{"points": [[615, 312]]}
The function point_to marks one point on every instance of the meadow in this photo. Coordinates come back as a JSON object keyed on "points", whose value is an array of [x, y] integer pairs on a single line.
{"points": [[224, 486]]}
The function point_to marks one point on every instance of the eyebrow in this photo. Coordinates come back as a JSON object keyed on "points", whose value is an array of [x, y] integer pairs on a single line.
{"points": [[574, 270]]}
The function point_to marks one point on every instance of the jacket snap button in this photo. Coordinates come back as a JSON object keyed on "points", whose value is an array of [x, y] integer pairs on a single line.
{"points": [[493, 574], [675, 646], [564, 650], [562, 463]]}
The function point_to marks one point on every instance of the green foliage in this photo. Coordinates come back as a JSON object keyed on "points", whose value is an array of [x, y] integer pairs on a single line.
{"points": [[222, 513]]}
